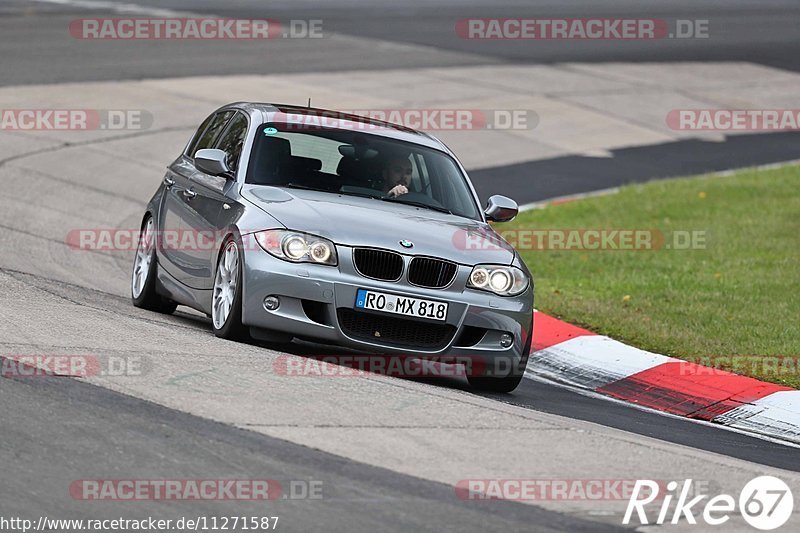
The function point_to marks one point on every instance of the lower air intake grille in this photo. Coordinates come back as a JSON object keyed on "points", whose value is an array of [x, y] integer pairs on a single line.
{"points": [[392, 331], [378, 264], [432, 273]]}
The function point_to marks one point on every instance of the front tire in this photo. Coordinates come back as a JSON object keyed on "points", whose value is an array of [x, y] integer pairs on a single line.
{"points": [[506, 383], [143, 277], [226, 299], [493, 384]]}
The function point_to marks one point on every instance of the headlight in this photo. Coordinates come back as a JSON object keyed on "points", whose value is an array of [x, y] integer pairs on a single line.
{"points": [[297, 247], [501, 280]]}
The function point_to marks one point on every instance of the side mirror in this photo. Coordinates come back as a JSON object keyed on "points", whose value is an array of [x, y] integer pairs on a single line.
{"points": [[501, 209], [212, 161]]}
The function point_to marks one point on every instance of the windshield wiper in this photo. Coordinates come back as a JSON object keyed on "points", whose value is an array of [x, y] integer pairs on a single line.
{"points": [[304, 187], [347, 193], [396, 199], [359, 194], [399, 200]]}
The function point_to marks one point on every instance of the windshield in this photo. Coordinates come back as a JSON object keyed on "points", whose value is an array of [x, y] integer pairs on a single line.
{"points": [[359, 164]]}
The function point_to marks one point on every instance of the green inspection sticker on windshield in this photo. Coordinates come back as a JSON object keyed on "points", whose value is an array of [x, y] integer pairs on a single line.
{"points": [[270, 131]]}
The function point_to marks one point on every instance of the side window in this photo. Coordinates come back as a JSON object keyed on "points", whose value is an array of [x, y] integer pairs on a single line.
{"points": [[213, 126], [190, 149], [233, 139]]}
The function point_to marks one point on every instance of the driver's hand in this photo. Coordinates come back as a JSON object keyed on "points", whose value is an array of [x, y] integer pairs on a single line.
{"points": [[397, 190]]}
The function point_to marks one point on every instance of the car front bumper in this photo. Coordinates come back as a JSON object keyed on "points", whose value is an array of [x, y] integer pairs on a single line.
{"points": [[317, 302]]}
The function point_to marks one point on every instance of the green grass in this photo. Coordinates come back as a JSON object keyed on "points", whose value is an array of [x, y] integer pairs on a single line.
{"points": [[739, 296]]}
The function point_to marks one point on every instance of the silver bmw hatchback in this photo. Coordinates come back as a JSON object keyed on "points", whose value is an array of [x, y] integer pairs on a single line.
{"points": [[284, 222]]}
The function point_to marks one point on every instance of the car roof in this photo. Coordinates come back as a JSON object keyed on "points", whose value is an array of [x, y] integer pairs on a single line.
{"points": [[280, 112]]}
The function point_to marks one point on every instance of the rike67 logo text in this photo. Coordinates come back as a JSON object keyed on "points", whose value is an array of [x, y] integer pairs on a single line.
{"points": [[765, 503]]}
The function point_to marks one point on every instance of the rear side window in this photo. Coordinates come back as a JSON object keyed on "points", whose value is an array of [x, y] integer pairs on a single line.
{"points": [[208, 132], [233, 139]]}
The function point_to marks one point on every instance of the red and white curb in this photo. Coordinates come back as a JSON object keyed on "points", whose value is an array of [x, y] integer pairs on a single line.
{"points": [[574, 356]]}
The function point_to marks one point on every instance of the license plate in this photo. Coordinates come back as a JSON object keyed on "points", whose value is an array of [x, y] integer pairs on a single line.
{"points": [[401, 305]]}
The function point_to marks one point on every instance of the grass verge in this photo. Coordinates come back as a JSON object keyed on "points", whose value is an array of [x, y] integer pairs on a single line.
{"points": [[730, 300]]}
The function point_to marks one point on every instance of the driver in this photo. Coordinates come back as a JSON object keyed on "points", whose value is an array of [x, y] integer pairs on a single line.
{"points": [[396, 176]]}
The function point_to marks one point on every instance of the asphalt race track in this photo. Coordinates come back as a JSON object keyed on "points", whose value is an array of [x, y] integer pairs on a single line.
{"points": [[419, 34], [154, 441], [764, 33], [387, 452]]}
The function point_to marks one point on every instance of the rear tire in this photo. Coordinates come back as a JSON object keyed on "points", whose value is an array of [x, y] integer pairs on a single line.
{"points": [[226, 299], [145, 268]]}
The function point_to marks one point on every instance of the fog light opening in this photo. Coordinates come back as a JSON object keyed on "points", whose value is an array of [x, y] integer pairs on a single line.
{"points": [[506, 340], [271, 303]]}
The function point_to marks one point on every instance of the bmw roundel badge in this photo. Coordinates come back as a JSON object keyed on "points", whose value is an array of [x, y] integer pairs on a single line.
{"points": [[406, 244]]}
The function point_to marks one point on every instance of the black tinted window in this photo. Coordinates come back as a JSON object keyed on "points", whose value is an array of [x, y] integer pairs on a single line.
{"points": [[233, 140], [213, 126], [190, 150], [343, 161]]}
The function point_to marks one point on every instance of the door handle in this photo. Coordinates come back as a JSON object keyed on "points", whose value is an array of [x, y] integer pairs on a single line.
{"points": [[169, 182], [188, 193]]}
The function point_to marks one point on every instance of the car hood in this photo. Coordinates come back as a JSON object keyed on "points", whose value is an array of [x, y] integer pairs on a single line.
{"points": [[357, 221]]}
